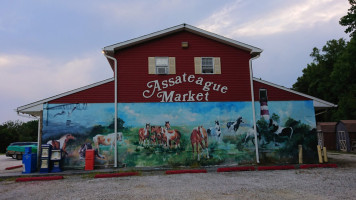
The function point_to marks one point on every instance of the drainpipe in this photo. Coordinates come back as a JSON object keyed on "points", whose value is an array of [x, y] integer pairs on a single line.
{"points": [[115, 120], [253, 108], [39, 141]]}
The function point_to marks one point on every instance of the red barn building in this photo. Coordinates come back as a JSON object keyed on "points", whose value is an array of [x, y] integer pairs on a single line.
{"points": [[178, 97]]}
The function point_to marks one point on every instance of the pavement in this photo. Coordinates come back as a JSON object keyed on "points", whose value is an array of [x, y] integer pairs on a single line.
{"points": [[6, 162]]}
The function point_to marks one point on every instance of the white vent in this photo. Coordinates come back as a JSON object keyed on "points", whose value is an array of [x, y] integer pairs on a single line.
{"points": [[162, 70]]}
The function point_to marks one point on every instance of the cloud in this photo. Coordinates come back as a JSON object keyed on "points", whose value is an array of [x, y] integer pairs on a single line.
{"points": [[32, 77], [278, 19]]}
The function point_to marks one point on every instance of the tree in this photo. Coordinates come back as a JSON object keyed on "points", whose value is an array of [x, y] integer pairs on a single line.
{"points": [[315, 80], [17, 131], [332, 77], [349, 20]]}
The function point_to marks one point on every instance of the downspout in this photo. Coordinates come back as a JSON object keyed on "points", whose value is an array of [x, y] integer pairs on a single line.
{"points": [[39, 141], [253, 107], [115, 122]]}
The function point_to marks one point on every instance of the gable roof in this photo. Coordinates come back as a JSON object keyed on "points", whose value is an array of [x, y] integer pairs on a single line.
{"points": [[326, 126], [319, 104], [36, 107], [350, 125], [254, 51]]}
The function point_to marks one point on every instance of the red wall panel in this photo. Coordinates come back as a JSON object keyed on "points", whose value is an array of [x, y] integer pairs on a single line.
{"points": [[275, 94], [133, 68], [100, 94]]}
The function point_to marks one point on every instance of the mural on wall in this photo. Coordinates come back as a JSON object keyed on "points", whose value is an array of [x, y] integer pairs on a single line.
{"points": [[176, 134], [282, 126]]}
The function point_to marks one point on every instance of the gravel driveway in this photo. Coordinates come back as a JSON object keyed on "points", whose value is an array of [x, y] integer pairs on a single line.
{"points": [[321, 183]]}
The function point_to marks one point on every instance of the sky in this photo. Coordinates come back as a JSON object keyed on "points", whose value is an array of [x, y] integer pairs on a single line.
{"points": [[51, 47]]}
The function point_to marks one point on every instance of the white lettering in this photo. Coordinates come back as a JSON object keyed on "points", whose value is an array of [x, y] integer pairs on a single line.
{"points": [[164, 96], [191, 78], [199, 81], [224, 89], [156, 86]]}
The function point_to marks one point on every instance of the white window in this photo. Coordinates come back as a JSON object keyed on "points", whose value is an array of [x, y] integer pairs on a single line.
{"points": [[207, 65], [161, 65]]}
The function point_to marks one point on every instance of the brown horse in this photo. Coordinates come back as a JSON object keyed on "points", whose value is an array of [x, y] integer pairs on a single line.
{"points": [[198, 135], [61, 143], [171, 135], [144, 134], [159, 136]]}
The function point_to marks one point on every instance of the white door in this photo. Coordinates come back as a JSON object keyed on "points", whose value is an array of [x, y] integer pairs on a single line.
{"points": [[342, 140]]}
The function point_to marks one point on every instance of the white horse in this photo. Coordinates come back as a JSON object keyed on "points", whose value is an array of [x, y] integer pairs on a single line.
{"points": [[107, 139], [215, 131]]}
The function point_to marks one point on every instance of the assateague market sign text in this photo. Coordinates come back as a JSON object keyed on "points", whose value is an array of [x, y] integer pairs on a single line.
{"points": [[157, 88]]}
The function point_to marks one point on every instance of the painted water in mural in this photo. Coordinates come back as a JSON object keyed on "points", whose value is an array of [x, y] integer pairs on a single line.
{"points": [[179, 134]]}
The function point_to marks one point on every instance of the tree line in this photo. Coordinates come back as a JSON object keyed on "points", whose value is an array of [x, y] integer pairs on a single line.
{"points": [[17, 131], [332, 74]]}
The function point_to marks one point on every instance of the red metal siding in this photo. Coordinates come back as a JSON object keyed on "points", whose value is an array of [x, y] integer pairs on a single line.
{"points": [[275, 94], [133, 68], [100, 94]]}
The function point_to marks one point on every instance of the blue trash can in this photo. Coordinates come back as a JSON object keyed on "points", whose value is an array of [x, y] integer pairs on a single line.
{"points": [[29, 161]]}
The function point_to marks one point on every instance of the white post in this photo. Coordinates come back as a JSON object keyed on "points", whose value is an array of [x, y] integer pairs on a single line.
{"points": [[115, 118], [253, 109], [39, 141]]}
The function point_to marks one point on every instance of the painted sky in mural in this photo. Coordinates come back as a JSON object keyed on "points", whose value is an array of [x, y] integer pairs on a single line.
{"points": [[298, 110], [190, 113], [184, 113]]}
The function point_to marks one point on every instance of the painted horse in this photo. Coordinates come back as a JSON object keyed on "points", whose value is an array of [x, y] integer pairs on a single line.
{"points": [[279, 131], [106, 140], [144, 134], [86, 146], [197, 137], [61, 143], [171, 135], [159, 135], [216, 131], [235, 125]]}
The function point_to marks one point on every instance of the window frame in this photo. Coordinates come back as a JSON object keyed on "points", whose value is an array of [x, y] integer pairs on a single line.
{"points": [[162, 66], [259, 93], [202, 66]]}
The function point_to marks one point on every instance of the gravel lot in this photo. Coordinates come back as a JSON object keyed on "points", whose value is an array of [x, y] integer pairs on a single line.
{"points": [[322, 183]]}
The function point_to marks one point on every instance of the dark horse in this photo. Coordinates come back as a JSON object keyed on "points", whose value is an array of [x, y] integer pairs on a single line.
{"points": [[235, 124]]}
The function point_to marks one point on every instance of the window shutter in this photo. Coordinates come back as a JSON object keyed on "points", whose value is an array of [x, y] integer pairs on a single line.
{"points": [[197, 65], [217, 65], [172, 65], [151, 65]]}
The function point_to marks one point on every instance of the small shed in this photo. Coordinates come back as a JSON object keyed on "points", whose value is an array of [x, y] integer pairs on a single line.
{"points": [[327, 134], [346, 135]]}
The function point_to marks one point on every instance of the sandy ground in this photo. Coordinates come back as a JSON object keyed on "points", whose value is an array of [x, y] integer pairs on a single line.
{"points": [[9, 162], [321, 183]]}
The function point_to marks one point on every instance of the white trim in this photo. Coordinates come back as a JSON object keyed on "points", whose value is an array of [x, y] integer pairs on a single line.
{"points": [[253, 50], [37, 106], [253, 107], [317, 102]]}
